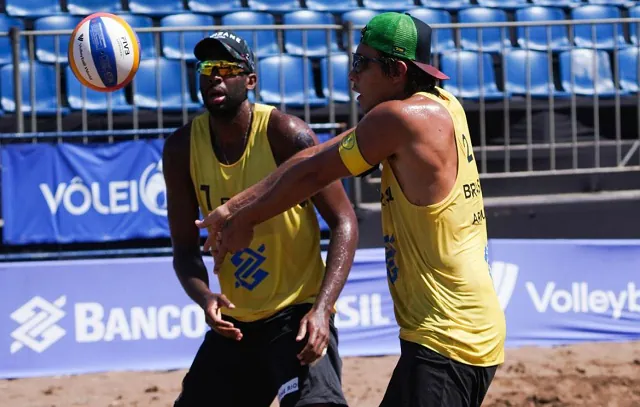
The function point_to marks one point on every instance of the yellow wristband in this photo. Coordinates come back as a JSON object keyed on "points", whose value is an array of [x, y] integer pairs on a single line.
{"points": [[351, 156]]}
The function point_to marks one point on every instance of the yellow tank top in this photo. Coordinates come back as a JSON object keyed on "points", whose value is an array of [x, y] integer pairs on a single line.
{"points": [[437, 265], [283, 264]]}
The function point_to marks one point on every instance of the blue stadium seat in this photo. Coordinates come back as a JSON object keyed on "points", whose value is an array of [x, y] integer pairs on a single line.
{"points": [[32, 8], [214, 6], [628, 69], [172, 95], [493, 39], [263, 42], [46, 102], [447, 4], [611, 2], [555, 37], [505, 4], [603, 34], [359, 18], [274, 5], [45, 44], [388, 5], [519, 63], [174, 47], [95, 102], [316, 40], [293, 70], [86, 7], [441, 38], [332, 6], [156, 8], [5, 42], [340, 76], [586, 80], [634, 12], [463, 68], [147, 42], [558, 3]]}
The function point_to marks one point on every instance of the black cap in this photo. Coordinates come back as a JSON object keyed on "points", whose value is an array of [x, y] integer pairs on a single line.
{"points": [[234, 45]]}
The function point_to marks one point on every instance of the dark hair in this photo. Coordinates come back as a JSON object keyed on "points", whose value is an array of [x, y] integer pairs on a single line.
{"points": [[417, 79]]}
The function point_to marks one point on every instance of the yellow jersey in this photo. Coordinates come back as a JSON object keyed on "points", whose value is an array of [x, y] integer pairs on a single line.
{"points": [[437, 261], [283, 265]]}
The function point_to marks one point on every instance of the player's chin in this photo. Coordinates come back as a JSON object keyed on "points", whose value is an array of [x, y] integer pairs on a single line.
{"points": [[218, 109]]}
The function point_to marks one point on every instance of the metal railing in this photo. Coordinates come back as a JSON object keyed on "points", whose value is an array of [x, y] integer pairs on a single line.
{"points": [[495, 121]]}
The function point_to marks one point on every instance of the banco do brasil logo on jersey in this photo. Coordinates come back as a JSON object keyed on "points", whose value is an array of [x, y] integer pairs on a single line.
{"points": [[248, 272]]}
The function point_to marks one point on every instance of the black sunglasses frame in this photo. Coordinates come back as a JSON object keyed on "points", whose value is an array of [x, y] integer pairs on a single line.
{"points": [[361, 62]]}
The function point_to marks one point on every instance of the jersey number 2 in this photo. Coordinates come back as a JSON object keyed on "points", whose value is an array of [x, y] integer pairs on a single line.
{"points": [[468, 148]]}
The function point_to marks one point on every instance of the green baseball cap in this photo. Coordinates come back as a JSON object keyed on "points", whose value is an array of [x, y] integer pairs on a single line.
{"points": [[403, 36]]}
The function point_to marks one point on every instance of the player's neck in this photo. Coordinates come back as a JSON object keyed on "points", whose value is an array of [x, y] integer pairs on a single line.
{"points": [[233, 128]]}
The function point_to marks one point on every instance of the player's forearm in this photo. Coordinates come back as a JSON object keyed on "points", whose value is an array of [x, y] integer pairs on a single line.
{"points": [[290, 184], [342, 248], [287, 186], [193, 277]]}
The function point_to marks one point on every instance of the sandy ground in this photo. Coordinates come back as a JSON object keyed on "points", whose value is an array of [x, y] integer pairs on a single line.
{"points": [[581, 375]]}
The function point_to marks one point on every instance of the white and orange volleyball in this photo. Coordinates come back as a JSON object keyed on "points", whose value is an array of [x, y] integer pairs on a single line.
{"points": [[104, 52]]}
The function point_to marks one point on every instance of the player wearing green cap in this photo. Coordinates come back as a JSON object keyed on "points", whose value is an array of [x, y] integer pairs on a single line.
{"points": [[452, 328]]}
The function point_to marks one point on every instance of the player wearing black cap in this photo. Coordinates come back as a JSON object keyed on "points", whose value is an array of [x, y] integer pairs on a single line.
{"points": [[272, 324]]}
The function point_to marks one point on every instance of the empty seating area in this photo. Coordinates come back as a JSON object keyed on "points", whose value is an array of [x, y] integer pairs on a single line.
{"points": [[295, 65]]}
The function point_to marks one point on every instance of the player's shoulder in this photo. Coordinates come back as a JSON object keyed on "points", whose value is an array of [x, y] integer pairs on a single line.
{"points": [[177, 145], [179, 137], [290, 130], [424, 112], [284, 124], [412, 117]]}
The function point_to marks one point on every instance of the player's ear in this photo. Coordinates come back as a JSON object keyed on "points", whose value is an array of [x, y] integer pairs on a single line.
{"points": [[400, 70], [251, 81]]}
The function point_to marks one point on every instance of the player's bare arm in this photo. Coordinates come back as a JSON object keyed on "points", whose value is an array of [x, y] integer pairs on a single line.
{"points": [[182, 206], [289, 135], [380, 134]]}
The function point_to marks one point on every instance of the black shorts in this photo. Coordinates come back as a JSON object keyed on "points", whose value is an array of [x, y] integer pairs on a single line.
{"points": [[424, 378], [262, 366]]}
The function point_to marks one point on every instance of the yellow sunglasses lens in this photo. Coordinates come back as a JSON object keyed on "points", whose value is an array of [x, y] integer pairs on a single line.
{"points": [[222, 68]]}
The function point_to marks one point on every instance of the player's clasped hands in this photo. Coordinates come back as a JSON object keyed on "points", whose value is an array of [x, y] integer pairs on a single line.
{"points": [[225, 235]]}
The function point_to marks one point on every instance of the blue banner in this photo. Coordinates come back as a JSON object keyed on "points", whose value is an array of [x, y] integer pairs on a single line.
{"points": [[68, 317], [69, 193], [557, 292], [66, 193], [71, 317]]}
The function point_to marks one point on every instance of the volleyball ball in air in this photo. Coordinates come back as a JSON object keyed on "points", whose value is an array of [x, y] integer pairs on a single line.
{"points": [[104, 52]]}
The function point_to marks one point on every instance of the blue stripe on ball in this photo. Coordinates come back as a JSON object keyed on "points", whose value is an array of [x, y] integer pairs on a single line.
{"points": [[102, 53]]}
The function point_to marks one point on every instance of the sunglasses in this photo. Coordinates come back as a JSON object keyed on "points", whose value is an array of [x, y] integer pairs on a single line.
{"points": [[223, 69], [360, 62]]}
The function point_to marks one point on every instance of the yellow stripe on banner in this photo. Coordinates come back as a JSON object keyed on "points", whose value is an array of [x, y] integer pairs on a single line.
{"points": [[351, 156]]}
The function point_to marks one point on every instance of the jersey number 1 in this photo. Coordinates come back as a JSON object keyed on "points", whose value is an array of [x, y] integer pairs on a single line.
{"points": [[205, 188]]}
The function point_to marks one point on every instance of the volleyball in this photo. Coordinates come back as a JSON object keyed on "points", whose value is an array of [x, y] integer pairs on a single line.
{"points": [[104, 52]]}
